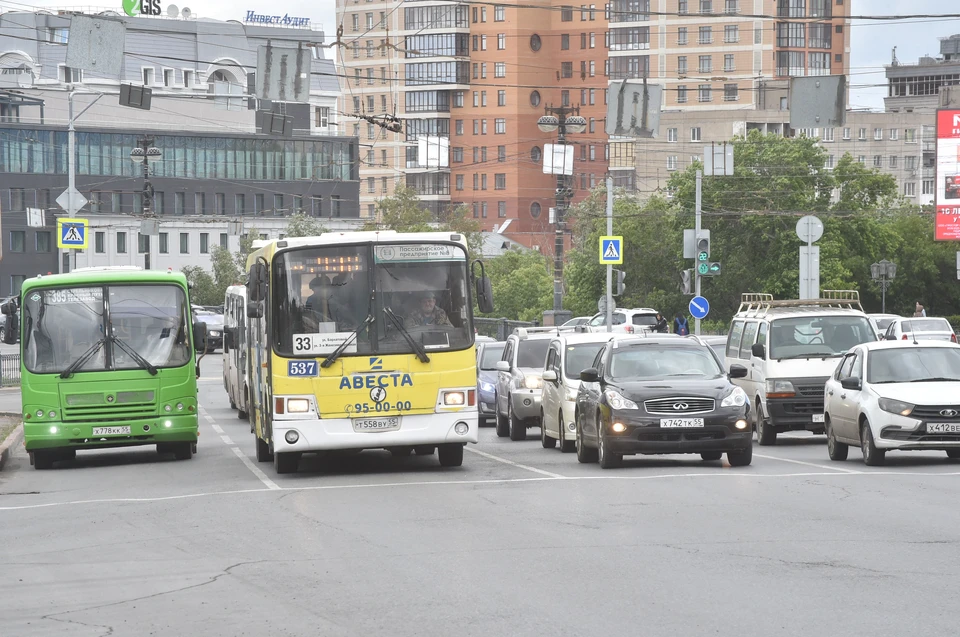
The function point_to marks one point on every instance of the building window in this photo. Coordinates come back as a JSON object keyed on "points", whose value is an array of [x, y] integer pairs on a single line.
{"points": [[184, 243], [43, 241], [927, 186], [894, 134], [223, 240], [831, 161], [204, 243], [731, 93], [500, 69], [704, 93], [99, 242], [910, 162], [695, 134], [672, 135], [459, 182], [878, 161], [893, 161], [862, 136], [163, 246], [18, 240], [731, 33], [121, 243], [682, 36], [827, 135], [500, 181], [501, 153], [501, 209], [672, 162], [566, 69], [535, 209], [500, 126], [706, 63], [861, 159], [566, 14], [483, 181], [706, 35], [728, 63], [910, 189], [682, 7], [910, 135], [681, 94], [501, 98], [682, 65], [846, 133], [143, 243]]}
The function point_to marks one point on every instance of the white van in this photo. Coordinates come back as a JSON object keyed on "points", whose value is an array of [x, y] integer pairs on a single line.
{"points": [[235, 372], [790, 348]]}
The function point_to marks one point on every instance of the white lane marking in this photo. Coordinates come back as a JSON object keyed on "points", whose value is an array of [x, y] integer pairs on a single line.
{"points": [[492, 481], [512, 463], [254, 469], [807, 464]]}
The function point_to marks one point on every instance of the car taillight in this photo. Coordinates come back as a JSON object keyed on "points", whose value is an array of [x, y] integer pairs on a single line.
{"points": [[628, 329], [904, 337], [953, 338]]}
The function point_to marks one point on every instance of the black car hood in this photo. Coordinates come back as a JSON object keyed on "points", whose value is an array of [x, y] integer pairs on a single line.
{"points": [[677, 386]]}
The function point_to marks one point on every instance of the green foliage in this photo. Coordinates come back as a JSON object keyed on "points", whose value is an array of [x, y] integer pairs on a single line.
{"points": [[203, 289], [225, 271], [522, 287], [303, 225], [246, 247]]}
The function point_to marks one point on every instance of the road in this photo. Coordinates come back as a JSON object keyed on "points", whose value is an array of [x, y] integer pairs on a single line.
{"points": [[519, 541]]}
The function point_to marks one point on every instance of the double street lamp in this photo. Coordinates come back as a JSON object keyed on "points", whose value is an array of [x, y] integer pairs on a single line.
{"points": [[563, 119], [144, 153], [883, 273]]}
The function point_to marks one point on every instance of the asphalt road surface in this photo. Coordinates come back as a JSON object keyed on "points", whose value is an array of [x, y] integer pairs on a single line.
{"points": [[519, 541]]}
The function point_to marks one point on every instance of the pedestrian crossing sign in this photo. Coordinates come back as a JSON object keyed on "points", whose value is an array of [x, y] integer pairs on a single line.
{"points": [[611, 250], [72, 234]]}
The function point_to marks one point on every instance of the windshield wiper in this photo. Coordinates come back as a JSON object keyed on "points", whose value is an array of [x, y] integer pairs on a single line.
{"points": [[144, 363], [807, 355], [937, 379], [335, 354], [82, 359], [417, 347]]}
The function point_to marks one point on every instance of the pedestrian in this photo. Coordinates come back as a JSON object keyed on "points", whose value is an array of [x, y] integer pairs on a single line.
{"points": [[920, 311], [680, 325], [661, 325]]}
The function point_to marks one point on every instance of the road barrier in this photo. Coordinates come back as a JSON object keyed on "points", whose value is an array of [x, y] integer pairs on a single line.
{"points": [[9, 370], [499, 328]]}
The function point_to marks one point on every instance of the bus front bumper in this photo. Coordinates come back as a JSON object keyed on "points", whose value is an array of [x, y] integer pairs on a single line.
{"points": [[313, 434], [148, 431]]}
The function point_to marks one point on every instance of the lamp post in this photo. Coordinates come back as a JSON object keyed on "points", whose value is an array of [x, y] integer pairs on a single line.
{"points": [[883, 273], [144, 153], [563, 119]]}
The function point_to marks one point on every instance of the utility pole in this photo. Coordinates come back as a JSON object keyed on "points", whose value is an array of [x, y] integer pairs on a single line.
{"points": [[696, 234], [609, 312]]}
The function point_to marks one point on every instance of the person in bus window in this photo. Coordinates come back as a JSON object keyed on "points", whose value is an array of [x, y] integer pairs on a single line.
{"points": [[429, 313], [323, 306]]}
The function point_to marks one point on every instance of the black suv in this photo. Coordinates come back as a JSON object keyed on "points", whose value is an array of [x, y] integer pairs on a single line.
{"points": [[661, 394]]}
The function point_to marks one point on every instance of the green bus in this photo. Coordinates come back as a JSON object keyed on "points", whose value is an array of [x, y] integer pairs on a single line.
{"points": [[107, 359]]}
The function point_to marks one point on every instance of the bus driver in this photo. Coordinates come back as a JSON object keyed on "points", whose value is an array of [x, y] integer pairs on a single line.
{"points": [[428, 313]]}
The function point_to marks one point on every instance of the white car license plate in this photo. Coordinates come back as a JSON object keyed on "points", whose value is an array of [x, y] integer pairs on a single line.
{"points": [[366, 425], [111, 431], [681, 422], [818, 418], [943, 428]]}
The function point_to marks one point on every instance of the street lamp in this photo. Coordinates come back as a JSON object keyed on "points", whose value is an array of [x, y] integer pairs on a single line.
{"points": [[563, 120], [144, 153], [883, 273]]}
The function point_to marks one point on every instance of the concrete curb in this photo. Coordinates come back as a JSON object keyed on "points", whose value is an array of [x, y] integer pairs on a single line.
{"points": [[8, 446]]}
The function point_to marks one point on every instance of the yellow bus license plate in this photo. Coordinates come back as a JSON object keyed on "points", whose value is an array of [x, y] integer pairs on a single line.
{"points": [[367, 425]]}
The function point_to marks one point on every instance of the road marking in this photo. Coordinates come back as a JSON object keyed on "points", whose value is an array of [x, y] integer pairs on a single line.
{"points": [[254, 469], [807, 464], [226, 440], [513, 464]]}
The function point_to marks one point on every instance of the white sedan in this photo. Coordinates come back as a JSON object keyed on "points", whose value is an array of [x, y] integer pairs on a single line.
{"points": [[894, 396]]}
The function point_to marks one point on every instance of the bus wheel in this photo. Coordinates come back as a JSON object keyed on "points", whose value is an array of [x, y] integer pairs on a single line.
{"points": [[286, 462], [451, 455], [424, 450], [43, 460], [183, 451], [263, 451]]}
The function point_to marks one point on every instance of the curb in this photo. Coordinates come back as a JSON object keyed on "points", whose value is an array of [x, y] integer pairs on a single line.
{"points": [[8, 446]]}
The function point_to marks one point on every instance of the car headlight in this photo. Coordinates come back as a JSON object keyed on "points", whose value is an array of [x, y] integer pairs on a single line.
{"points": [[895, 406], [486, 386], [298, 405], [736, 398], [619, 402], [533, 382], [214, 333], [777, 388]]}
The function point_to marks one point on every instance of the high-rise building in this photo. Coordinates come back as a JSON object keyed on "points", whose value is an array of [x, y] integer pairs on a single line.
{"points": [[916, 87]]}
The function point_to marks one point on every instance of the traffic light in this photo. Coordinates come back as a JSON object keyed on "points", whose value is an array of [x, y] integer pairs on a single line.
{"points": [[711, 268], [686, 281], [618, 287], [703, 250]]}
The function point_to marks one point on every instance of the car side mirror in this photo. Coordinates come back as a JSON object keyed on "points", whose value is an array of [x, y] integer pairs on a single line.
{"points": [[503, 366], [550, 375], [200, 335], [758, 350], [254, 310], [738, 371], [590, 375], [851, 383]]}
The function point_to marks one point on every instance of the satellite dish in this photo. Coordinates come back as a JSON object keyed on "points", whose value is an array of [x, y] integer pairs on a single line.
{"points": [[173, 11], [186, 13]]}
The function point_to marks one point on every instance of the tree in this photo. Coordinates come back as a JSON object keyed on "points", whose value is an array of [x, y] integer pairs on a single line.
{"points": [[302, 225], [863, 188], [522, 287], [246, 247], [203, 289], [225, 270]]}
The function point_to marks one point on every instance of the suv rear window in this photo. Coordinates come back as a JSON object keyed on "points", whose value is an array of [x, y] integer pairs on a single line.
{"points": [[532, 353], [644, 319]]}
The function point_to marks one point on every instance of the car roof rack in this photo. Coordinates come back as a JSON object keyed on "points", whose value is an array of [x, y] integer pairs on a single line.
{"points": [[756, 304], [524, 332]]}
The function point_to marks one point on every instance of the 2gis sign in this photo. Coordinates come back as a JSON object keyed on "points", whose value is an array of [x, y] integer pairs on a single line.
{"points": [[134, 8], [948, 175]]}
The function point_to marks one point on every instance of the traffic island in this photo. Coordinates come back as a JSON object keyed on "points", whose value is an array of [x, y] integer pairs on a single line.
{"points": [[11, 434]]}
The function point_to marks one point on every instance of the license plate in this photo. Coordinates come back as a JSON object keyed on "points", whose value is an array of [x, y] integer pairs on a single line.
{"points": [[818, 418], [681, 422], [366, 425], [111, 431], [943, 428]]}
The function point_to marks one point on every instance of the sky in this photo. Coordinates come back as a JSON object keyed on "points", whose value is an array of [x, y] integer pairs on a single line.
{"points": [[870, 47]]}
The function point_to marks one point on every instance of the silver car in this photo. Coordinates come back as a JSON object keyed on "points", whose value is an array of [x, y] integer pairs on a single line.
{"points": [[519, 380], [920, 329]]}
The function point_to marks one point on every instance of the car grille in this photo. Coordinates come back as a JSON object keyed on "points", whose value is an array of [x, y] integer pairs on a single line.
{"points": [[810, 388], [682, 436], [679, 405], [126, 405], [932, 412], [804, 408]]}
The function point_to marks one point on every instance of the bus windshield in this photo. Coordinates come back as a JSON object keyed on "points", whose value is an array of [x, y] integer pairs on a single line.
{"points": [[411, 292], [62, 324]]}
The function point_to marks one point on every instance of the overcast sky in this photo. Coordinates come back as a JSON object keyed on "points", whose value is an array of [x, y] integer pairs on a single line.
{"points": [[871, 41]]}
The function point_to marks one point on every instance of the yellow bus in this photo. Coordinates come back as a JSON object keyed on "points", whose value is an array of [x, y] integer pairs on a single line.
{"points": [[364, 340]]}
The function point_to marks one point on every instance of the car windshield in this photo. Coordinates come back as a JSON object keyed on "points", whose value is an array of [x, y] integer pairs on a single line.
{"points": [[660, 361], [813, 336], [61, 324], [532, 353], [925, 325], [913, 364], [492, 352], [579, 357], [324, 294]]}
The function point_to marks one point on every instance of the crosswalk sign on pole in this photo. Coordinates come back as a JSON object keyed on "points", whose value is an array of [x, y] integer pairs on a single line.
{"points": [[72, 234], [611, 250]]}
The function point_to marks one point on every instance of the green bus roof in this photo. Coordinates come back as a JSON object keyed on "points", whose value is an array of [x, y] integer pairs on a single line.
{"points": [[86, 276]]}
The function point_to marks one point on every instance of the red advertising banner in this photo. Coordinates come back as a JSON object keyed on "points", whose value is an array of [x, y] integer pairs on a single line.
{"points": [[948, 175]]}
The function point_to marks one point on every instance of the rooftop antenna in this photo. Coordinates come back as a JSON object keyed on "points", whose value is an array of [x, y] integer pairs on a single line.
{"points": [[895, 61]]}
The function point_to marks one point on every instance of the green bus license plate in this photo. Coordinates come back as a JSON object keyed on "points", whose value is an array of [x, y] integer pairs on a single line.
{"points": [[111, 431], [365, 425]]}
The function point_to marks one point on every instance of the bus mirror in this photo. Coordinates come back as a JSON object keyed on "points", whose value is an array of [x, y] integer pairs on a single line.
{"points": [[485, 295], [10, 329], [254, 310], [228, 338], [257, 282], [200, 335]]}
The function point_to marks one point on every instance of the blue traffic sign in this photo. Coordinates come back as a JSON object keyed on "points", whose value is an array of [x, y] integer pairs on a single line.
{"points": [[699, 307], [611, 250]]}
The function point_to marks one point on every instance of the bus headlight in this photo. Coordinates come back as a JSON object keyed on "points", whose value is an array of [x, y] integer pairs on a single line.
{"points": [[291, 437], [298, 405], [167, 408], [453, 398], [179, 406], [39, 413], [461, 428], [53, 430], [52, 414]]}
